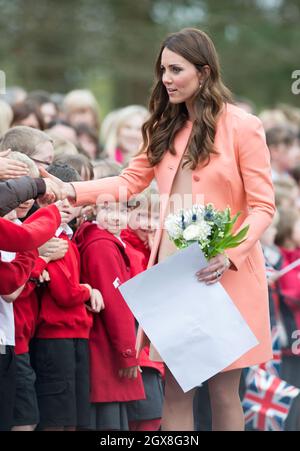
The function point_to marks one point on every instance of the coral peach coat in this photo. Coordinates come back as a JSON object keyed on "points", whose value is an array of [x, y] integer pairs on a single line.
{"points": [[239, 176]]}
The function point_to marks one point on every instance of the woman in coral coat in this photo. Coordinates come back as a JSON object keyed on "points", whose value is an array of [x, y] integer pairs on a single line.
{"points": [[202, 148]]}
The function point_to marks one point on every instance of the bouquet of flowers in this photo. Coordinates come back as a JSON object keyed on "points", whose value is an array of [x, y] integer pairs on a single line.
{"points": [[211, 228]]}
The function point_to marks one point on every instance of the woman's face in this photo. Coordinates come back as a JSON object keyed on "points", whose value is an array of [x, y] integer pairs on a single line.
{"points": [[88, 145], [82, 116], [49, 112], [130, 134], [180, 77], [29, 121]]}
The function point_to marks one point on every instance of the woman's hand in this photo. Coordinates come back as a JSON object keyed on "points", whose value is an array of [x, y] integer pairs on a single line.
{"points": [[61, 190], [217, 266], [11, 169], [130, 372]]}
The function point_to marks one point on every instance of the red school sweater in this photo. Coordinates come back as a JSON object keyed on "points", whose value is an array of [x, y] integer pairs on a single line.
{"points": [[112, 338], [62, 307], [35, 231], [26, 309], [136, 250]]}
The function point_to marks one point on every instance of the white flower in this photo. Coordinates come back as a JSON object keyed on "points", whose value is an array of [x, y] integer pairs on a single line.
{"points": [[198, 231], [172, 225]]}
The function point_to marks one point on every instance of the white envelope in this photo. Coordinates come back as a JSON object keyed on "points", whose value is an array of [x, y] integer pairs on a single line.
{"points": [[197, 329]]}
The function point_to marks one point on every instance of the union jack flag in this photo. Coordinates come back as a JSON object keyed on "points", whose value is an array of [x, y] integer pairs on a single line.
{"points": [[267, 401]]}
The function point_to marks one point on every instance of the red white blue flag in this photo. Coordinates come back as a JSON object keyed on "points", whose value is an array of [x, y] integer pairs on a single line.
{"points": [[267, 401]]}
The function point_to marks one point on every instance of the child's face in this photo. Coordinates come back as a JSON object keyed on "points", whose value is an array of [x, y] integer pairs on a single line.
{"points": [[44, 154], [67, 211], [143, 222], [112, 217], [130, 134], [11, 216], [23, 209], [296, 233], [285, 156]]}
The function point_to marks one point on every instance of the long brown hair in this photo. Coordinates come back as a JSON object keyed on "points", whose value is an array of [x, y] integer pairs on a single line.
{"points": [[167, 119]]}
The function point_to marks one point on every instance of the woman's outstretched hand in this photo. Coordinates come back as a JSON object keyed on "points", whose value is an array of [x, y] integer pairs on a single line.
{"points": [[56, 189], [217, 266]]}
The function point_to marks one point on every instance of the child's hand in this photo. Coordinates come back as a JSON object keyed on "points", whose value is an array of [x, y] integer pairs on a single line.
{"points": [[11, 169], [54, 249], [86, 285], [272, 277], [96, 301], [44, 277], [130, 372]]}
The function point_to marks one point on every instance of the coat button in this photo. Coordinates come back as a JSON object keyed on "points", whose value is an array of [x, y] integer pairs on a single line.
{"points": [[127, 353], [196, 178]]}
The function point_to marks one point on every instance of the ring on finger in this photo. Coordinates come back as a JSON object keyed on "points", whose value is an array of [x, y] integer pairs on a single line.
{"points": [[218, 274]]}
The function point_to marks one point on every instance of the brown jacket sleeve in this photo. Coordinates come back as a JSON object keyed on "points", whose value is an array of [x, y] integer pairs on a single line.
{"points": [[16, 191]]}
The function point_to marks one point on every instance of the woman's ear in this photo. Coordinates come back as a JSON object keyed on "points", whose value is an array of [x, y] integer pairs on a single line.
{"points": [[204, 73]]}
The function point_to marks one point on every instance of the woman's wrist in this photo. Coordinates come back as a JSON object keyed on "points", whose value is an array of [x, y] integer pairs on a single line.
{"points": [[69, 191]]}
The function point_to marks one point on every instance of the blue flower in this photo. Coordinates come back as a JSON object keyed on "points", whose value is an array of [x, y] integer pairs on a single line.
{"points": [[209, 216], [182, 221]]}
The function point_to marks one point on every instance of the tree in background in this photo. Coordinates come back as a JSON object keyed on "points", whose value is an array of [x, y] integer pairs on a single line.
{"points": [[110, 45]]}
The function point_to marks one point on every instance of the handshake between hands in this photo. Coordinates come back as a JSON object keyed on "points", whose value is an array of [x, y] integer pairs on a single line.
{"points": [[55, 189]]}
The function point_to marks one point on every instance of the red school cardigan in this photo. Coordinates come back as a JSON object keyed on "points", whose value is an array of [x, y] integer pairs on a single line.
{"points": [[26, 309], [35, 231], [112, 339], [62, 309]]}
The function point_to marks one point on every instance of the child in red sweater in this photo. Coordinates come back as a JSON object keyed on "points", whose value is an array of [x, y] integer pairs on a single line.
{"points": [[14, 274], [145, 415], [115, 379], [26, 308], [60, 348]]}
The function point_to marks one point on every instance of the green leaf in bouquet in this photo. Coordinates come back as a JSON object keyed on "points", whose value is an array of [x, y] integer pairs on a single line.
{"points": [[241, 234], [180, 243], [232, 222], [235, 240]]}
